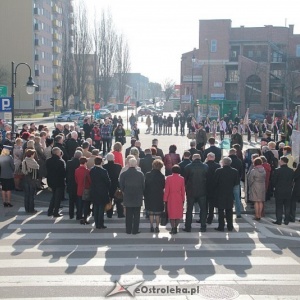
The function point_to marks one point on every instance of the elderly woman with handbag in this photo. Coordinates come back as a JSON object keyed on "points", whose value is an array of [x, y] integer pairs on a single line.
{"points": [[83, 181], [99, 191]]}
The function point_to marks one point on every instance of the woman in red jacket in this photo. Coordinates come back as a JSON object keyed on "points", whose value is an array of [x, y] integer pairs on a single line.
{"points": [[83, 181], [174, 197]]}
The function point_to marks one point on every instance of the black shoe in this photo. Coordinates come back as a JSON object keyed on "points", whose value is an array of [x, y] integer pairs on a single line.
{"points": [[82, 222], [71, 217], [49, 214], [186, 230], [151, 229], [209, 221], [33, 212], [198, 221], [202, 229], [219, 229], [87, 222], [172, 231], [157, 230], [286, 223], [123, 216], [5, 204], [230, 229], [9, 204], [57, 215], [277, 223], [136, 232], [103, 227], [175, 230], [238, 217]]}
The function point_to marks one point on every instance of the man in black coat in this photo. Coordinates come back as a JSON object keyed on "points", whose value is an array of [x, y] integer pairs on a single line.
{"points": [[195, 185], [72, 165], [295, 194], [237, 164], [182, 121], [185, 161], [225, 179], [283, 186], [159, 151], [58, 143], [56, 174], [210, 186], [193, 150], [132, 144], [71, 144], [138, 146], [146, 162], [236, 138], [214, 149], [113, 171]]}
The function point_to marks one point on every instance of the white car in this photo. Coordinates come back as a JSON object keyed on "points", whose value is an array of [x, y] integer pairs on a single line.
{"points": [[68, 116]]}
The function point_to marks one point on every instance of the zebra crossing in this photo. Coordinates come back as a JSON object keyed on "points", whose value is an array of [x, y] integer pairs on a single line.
{"points": [[57, 258]]}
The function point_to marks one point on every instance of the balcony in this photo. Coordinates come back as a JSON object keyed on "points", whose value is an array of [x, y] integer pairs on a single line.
{"points": [[56, 36], [56, 23], [56, 76], [56, 49], [56, 63]]}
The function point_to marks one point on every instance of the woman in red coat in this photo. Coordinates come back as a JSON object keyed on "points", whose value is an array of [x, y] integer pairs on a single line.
{"points": [[83, 181], [174, 197]]}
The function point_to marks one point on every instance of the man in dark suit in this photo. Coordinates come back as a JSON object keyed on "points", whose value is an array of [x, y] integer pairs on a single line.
{"points": [[113, 171], [72, 165], [185, 161], [56, 174], [159, 152], [214, 149], [71, 144], [283, 186], [141, 152], [58, 142], [132, 144], [146, 162], [193, 150], [210, 187], [225, 179]]}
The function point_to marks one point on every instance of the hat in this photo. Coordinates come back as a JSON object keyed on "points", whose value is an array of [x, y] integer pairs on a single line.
{"points": [[264, 140]]}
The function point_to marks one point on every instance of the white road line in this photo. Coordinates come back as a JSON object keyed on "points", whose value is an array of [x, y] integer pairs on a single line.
{"points": [[155, 261], [137, 248]]}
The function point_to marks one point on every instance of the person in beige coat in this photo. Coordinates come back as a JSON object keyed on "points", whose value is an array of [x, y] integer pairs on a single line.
{"points": [[257, 187], [148, 123]]}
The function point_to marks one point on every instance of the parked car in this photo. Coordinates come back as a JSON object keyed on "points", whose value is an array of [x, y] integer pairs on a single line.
{"points": [[104, 113], [144, 111], [68, 116], [111, 107], [259, 117]]}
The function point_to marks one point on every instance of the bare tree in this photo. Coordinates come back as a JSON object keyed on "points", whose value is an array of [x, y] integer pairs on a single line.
{"points": [[169, 88], [68, 71], [123, 67], [155, 89], [82, 49]]}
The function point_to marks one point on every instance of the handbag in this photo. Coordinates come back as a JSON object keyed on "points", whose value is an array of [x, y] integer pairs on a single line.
{"points": [[108, 206], [191, 135], [86, 192], [118, 194], [164, 218]]}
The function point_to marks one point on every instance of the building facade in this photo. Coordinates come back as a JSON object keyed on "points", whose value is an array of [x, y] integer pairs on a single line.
{"points": [[35, 32], [239, 68]]}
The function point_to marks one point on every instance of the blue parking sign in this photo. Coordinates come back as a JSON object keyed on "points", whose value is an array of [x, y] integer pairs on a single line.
{"points": [[96, 115], [5, 104]]}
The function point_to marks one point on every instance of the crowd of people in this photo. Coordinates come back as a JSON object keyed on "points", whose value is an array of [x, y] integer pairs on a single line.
{"points": [[70, 161]]}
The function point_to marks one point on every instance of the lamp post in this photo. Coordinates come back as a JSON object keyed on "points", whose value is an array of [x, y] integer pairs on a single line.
{"points": [[192, 89], [30, 88], [208, 75]]}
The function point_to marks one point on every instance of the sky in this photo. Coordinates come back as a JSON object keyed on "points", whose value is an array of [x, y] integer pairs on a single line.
{"points": [[158, 32]]}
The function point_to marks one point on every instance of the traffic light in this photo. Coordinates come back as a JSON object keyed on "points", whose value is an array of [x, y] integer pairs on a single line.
{"points": [[137, 104], [153, 100], [52, 101]]}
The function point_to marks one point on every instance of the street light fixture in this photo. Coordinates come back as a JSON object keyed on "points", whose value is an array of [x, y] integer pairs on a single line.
{"points": [[30, 88]]}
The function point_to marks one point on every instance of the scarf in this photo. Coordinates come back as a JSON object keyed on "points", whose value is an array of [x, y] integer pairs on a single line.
{"points": [[30, 167]]}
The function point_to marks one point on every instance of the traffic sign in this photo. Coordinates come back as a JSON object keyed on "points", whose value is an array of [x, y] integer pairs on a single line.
{"points": [[3, 90], [97, 106], [5, 104], [126, 99], [97, 114]]}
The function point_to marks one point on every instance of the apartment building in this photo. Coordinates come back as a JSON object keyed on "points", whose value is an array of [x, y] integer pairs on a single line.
{"points": [[35, 32], [237, 68]]}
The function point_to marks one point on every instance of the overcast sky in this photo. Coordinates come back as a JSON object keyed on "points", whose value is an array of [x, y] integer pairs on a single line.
{"points": [[159, 31]]}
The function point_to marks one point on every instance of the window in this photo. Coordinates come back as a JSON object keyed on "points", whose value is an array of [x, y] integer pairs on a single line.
{"points": [[253, 89], [298, 50], [213, 46], [250, 53]]}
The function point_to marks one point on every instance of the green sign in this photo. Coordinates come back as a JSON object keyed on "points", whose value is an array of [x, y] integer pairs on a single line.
{"points": [[3, 90]]}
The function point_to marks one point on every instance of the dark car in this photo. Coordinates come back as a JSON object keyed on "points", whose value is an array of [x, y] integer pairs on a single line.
{"points": [[144, 111], [259, 117]]}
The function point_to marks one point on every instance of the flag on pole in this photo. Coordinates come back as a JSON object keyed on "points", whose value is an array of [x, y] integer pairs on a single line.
{"points": [[295, 120], [273, 120], [246, 120]]}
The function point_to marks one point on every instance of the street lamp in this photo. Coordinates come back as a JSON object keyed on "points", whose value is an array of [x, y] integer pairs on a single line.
{"points": [[208, 75], [192, 89], [30, 88]]}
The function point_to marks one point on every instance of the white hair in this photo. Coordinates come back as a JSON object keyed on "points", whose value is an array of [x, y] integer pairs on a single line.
{"points": [[132, 163], [226, 161], [74, 135]]}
